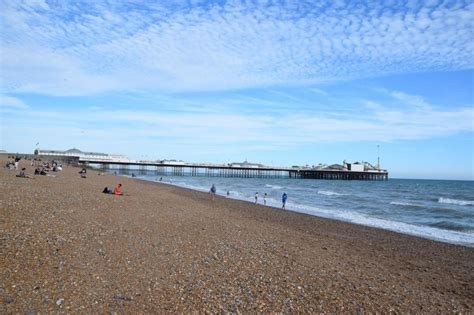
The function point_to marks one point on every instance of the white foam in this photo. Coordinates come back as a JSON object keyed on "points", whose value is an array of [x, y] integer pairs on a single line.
{"points": [[454, 237], [400, 203], [273, 186], [329, 193], [456, 202]]}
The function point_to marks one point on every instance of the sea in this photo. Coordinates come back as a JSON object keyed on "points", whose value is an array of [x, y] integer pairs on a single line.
{"points": [[441, 210]]}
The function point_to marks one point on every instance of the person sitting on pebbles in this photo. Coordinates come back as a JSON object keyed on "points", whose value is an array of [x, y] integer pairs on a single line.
{"points": [[22, 173], [40, 171], [83, 173], [117, 190]]}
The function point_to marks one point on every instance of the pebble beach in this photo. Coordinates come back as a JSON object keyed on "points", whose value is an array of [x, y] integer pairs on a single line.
{"points": [[66, 247]]}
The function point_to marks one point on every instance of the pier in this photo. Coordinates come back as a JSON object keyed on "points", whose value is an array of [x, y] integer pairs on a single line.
{"points": [[224, 170]]}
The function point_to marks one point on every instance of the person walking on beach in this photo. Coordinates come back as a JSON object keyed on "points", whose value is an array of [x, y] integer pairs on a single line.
{"points": [[265, 199], [212, 191], [284, 197], [256, 197]]}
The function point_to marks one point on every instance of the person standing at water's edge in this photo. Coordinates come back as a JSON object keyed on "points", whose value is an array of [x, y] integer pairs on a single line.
{"points": [[256, 197], [265, 199], [212, 191], [284, 197]]}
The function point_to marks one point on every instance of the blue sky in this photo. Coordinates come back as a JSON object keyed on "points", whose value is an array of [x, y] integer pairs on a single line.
{"points": [[276, 82]]}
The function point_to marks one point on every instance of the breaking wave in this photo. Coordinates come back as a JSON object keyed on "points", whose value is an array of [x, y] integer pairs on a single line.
{"points": [[329, 193], [456, 202], [406, 204], [273, 186]]}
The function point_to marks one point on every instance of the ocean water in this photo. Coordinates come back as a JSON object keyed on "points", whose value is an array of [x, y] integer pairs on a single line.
{"points": [[435, 209]]}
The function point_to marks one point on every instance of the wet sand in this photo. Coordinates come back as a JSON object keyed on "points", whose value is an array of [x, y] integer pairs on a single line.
{"points": [[68, 248]]}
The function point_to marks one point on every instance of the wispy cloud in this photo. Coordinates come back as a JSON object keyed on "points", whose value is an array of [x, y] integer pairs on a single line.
{"points": [[81, 48], [244, 131], [319, 91], [12, 102]]}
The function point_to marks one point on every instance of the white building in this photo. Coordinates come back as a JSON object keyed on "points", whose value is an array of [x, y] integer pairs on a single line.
{"points": [[172, 162], [96, 156], [356, 167], [246, 164]]}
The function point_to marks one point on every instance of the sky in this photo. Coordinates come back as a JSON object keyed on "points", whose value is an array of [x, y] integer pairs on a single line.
{"points": [[276, 82]]}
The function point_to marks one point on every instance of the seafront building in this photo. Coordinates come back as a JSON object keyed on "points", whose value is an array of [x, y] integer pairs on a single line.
{"points": [[76, 153], [246, 164]]}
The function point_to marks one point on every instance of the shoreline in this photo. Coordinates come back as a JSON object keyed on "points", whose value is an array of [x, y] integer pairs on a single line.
{"points": [[67, 247], [400, 227]]}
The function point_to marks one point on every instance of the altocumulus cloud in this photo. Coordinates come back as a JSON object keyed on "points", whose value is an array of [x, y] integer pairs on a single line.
{"points": [[85, 47]]}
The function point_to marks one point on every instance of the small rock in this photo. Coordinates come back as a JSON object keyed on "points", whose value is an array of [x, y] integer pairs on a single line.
{"points": [[59, 302]]}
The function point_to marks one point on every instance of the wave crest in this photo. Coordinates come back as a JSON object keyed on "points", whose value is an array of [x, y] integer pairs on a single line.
{"points": [[456, 201], [406, 204], [273, 186], [329, 193]]}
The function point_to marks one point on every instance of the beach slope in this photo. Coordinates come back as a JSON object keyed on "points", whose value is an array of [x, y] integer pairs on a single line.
{"points": [[66, 247]]}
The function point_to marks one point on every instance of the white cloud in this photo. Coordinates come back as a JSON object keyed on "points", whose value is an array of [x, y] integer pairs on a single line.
{"points": [[127, 131], [65, 48], [12, 102], [319, 91], [413, 100]]}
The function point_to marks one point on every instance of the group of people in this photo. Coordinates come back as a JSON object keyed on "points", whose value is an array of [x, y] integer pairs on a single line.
{"points": [[264, 198], [14, 163], [46, 167], [53, 166], [284, 197], [41, 168]]}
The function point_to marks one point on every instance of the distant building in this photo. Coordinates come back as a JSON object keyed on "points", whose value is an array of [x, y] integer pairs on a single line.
{"points": [[246, 164], [335, 167], [362, 167], [83, 155], [356, 167], [173, 162]]}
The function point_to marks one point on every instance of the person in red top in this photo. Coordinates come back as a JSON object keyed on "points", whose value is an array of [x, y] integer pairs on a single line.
{"points": [[117, 190]]}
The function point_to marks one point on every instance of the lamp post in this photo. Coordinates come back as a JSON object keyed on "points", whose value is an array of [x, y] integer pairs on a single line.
{"points": [[378, 157]]}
